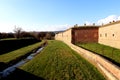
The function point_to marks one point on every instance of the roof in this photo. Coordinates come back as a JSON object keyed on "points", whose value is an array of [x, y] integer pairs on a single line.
{"points": [[81, 27], [111, 23], [87, 26]]}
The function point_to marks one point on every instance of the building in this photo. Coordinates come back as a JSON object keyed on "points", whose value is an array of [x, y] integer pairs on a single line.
{"points": [[109, 34], [64, 36], [81, 34], [85, 34]]}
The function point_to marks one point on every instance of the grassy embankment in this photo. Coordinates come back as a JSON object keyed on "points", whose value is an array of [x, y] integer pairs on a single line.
{"points": [[13, 55], [109, 52], [59, 62], [9, 39]]}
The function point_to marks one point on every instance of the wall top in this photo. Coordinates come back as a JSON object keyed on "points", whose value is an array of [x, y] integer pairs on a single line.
{"points": [[111, 23]]}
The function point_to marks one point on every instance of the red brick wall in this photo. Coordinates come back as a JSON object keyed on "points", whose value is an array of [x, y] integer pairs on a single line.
{"points": [[85, 34]]}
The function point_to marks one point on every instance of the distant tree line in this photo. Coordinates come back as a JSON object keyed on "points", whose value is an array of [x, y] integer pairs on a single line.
{"points": [[6, 35], [19, 33], [24, 34]]}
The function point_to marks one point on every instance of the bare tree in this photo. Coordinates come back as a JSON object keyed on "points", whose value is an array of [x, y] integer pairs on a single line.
{"points": [[18, 31]]}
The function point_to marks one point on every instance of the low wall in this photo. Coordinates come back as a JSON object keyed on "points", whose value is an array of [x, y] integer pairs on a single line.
{"points": [[111, 71]]}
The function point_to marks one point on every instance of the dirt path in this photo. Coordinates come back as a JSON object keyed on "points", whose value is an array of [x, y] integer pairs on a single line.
{"points": [[111, 71]]}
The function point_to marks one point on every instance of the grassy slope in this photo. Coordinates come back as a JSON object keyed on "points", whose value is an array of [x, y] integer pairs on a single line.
{"points": [[9, 39], [7, 57], [59, 62], [107, 51]]}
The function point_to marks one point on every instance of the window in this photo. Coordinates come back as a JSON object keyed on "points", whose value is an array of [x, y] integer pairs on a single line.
{"points": [[105, 34], [113, 35]]}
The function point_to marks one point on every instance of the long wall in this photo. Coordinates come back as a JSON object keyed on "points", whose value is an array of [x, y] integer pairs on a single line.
{"points": [[110, 70], [59, 36], [109, 34], [80, 34], [64, 36]]}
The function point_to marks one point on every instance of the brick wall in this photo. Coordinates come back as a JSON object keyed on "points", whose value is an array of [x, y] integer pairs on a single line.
{"points": [[85, 34], [79, 35]]}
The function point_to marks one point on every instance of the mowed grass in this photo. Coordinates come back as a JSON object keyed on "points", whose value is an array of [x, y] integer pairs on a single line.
{"points": [[13, 55], [57, 61], [9, 39], [104, 50]]}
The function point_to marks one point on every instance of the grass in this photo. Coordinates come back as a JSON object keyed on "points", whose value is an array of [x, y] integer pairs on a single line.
{"points": [[15, 38], [13, 55], [9, 39], [109, 52], [57, 61]]}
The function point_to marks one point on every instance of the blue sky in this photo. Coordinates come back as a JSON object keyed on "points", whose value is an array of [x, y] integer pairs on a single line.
{"points": [[51, 15]]}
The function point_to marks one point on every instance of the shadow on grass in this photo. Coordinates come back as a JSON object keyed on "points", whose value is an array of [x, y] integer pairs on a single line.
{"points": [[19, 74], [11, 45]]}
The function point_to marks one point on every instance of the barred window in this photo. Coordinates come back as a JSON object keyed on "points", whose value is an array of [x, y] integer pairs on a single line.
{"points": [[113, 35], [105, 34]]}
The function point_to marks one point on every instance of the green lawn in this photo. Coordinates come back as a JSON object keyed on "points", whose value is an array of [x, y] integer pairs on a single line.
{"points": [[15, 38], [9, 39], [104, 50], [13, 55], [57, 61]]}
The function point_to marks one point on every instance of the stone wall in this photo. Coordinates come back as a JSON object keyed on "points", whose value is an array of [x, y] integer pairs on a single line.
{"points": [[64, 36], [111, 71], [79, 34], [110, 34]]}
